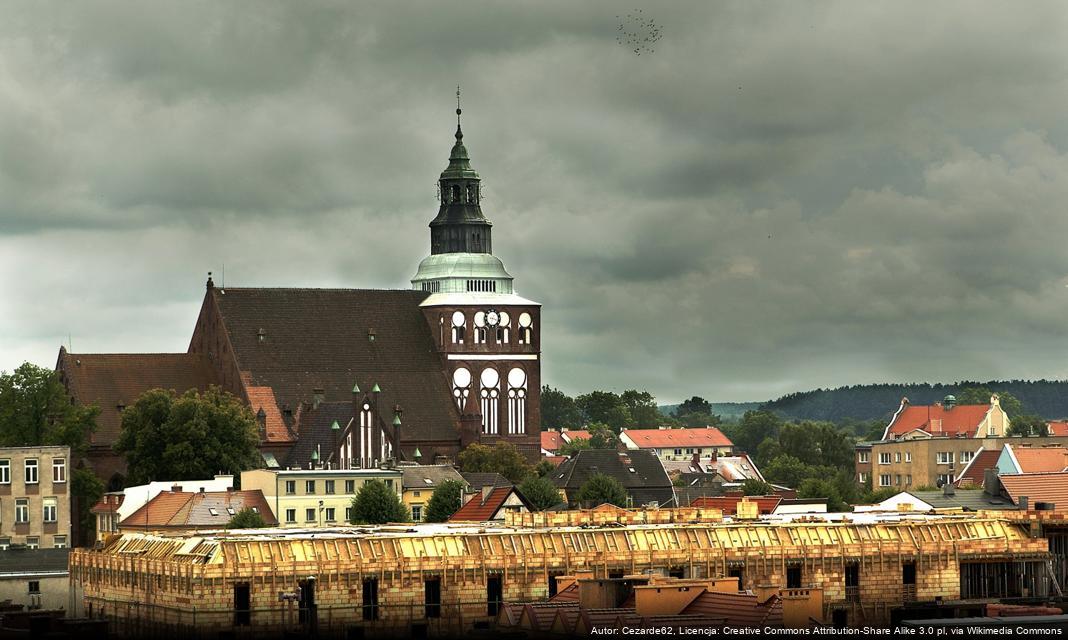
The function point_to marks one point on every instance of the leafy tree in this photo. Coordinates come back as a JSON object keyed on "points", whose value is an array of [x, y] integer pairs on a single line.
{"points": [[1028, 425], [502, 458], [35, 410], [602, 436], [605, 407], [885, 493], [818, 488], [602, 489], [540, 492], [753, 428], [981, 395], [165, 436], [444, 502], [246, 519], [753, 487], [544, 468], [787, 470], [696, 404], [698, 420], [375, 503], [642, 408], [558, 410], [571, 448]]}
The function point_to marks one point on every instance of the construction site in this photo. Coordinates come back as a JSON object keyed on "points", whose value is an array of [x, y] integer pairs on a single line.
{"points": [[448, 579]]}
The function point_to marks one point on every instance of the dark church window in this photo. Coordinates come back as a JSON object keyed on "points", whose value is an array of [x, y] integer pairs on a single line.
{"points": [[456, 193]]}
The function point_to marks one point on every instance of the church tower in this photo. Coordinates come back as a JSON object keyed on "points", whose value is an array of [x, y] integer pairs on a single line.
{"points": [[488, 337]]}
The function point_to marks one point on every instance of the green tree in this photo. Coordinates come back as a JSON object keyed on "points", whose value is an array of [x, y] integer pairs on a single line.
{"points": [[753, 428], [375, 503], [601, 437], [819, 488], [601, 489], [571, 448], [544, 468], [502, 458], [1028, 425], [165, 436], [787, 470], [444, 502], [696, 404], [641, 405], [605, 407], [558, 410], [698, 420], [753, 487], [981, 395], [246, 519], [541, 493], [35, 410]]}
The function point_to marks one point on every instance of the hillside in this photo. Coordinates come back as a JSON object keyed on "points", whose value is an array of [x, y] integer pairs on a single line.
{"points": [[1047, 398], [729, 411]]}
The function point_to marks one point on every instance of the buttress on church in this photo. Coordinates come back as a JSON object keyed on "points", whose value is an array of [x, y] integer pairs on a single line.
{"points": [[355, 378]]}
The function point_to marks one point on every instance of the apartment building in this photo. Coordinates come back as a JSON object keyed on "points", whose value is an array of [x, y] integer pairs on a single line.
{"points": [[315, 497], [678, 444], [35, 497]]}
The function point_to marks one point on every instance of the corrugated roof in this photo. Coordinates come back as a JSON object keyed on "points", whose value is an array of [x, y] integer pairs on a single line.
{"points": [[1038, 487], [676, 438]]}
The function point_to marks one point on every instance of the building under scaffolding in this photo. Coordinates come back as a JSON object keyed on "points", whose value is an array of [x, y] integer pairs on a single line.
{"points": [[437, 579]]}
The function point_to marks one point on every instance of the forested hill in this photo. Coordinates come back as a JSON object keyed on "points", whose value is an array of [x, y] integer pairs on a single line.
{"points": [[1047, 398]]}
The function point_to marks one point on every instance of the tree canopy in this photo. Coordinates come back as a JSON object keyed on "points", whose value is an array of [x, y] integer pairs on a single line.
{"points": [[601, 437], [1028, 425], [602, 489], [558, 410], [541, 493], [165, 436], [444, 502], [502, 458], [246, 519], [375, 503]]}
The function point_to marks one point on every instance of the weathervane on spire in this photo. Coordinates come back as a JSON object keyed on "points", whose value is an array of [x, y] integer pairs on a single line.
{"points": [[459, 133]]}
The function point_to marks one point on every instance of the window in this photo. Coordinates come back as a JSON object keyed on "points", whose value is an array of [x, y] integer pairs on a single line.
{"points": [[370, 599], [862, 478], [525, 331], [944, 479], [389, 483], [897, 480], [5, 472], [242, 605], [22, 510], [213, 511], [5, 543], [348, 514], [458, 324], [59, 542], [31, 471], [793, 577], [897, 457], [461, 387], [350, 486], [417, 494], [291, 487], [59, 470], [908, 480], [309, 487], [863, 457], [432, 597], [309, 515], [489, 396], [908, 456], [884, 458], [330, 514], [884, 480], [35, 587], [329, 486], [49, 509], [689, 452], [945, 457], [966, 456], [417, 512], [494, 595], [678, 452], [852, 582], [33, 542], [291, 515]]}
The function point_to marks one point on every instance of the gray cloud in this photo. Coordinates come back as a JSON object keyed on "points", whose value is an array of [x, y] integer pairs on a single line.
{"points": [[779, 198]]}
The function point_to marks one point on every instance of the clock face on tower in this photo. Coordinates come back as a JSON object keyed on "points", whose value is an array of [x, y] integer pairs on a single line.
{"points": [[492, 318]]}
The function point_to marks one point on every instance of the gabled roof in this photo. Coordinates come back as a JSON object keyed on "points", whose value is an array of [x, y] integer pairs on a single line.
{"points": [[575, 434], [729, 504], [1038, 487], [1058, 427], [937, 420], [315, 430], [297, 340], [199, 510], [738, 609], [263, 398], [677, 438], [429, 476], [113, 379], [479, 509], [550, 440], [640, 472], [108, 503], [479, 479], [1039, 459], [975, 471]]}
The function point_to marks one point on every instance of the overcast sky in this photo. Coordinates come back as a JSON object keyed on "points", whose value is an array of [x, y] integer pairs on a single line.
{"points": [[776, 196]]}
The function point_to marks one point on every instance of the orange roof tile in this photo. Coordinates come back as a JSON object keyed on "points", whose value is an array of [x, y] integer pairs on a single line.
{"points": [[673, 438], [738, 609], [975, 472], [263, 398], [1040, 459], [193, 510], [937, 420], [570, 435], [479, 510], [550, 440], [109, 503], [1038, 487], [1058, 427]]}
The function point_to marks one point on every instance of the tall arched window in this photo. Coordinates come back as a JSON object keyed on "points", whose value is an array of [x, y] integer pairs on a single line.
{"points": [[461, 387], [480, 327], [526, 328], [491, 392], [366, 429], [517, 401], [503, 328], [458, 326]]}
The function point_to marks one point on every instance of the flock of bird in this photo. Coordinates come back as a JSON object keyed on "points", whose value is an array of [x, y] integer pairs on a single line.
{"points": [[638, 31]]}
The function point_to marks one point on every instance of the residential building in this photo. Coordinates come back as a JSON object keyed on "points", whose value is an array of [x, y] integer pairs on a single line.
{"points": [[1057, 427], [1024, 458], [640, 472], [115, 506], [734, 469], [454, 360], [552, 440], [178, 510], [38, 579], [863, 462], [418, 483], [948, 498], [315, 497], [477, 480], [948, 419], [491, 504], [678, 444], [35, 498]]}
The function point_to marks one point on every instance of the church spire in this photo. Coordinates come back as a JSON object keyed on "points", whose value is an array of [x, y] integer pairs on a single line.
{"points": [[460, 226], [459, 132]]}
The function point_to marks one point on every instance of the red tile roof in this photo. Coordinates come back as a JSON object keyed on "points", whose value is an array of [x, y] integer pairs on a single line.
{"points": [[975, 472], [479, 510], [937, 420], [550, 440], [675, 438], [193, 510], [729, 504], [556, 460], [263, 398], [570, 435], [1058, 427], [1038, 487], [109, 503], [738, 609], [1040, 459]]}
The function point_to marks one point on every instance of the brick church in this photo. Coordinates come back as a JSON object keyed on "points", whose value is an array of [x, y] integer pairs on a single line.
{"points": [[355, 377]]}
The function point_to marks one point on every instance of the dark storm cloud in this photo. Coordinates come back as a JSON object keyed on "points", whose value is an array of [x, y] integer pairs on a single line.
{"points": [[781, 197]]}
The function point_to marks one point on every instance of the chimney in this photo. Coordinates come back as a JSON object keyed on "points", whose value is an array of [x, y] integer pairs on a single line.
{"points": [[765, 591], [486, 491], [261, 420], [318, 396], [1022, 503], [948, 489], [176, 488], [991, 483], [696, 461]]}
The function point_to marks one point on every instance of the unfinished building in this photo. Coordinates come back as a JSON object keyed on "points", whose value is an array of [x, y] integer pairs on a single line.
{"points": [[448, 579]]}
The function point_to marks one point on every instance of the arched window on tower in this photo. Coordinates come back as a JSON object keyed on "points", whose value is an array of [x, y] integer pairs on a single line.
{"points": [[504, 328], [458, 325], [526, 328], [366, 440], [456, 193], [472, 194], [480, 328], [517, 401], [490, 394], [461, 387]]}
